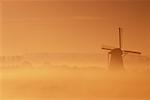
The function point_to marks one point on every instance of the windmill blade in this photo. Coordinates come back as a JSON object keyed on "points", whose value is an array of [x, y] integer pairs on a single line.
{"points": [[108, 57], [135, 52], [107, 47], [120, 38]]}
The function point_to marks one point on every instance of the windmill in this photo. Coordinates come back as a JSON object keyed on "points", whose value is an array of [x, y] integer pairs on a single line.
{"points": [[116, 55]]}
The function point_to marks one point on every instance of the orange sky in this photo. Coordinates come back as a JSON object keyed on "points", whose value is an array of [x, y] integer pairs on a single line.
{"points": [[73, 26]]}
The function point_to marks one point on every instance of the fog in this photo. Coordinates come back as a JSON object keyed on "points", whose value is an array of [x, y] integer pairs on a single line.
{"points": [[73, 77], [73, 84]]}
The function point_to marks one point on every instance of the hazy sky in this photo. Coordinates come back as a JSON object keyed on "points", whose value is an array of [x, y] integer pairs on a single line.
{"points": [[73, 26]]}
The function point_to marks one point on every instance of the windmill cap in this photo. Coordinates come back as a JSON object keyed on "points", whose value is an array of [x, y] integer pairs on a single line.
{"points": [[116, 51]]}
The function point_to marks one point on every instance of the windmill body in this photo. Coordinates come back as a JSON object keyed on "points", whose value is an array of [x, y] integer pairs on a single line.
{"points": [[116, 55], [116, 61]]}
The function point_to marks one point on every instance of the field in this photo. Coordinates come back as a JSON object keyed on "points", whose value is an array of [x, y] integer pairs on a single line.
{"points": [[73, 84]]}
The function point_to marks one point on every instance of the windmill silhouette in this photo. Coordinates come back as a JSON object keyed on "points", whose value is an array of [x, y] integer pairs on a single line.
{"points": [[116, 55]]}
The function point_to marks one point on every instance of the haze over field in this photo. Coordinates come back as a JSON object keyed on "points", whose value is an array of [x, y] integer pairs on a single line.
{"points": [[73, 84], [68, 82]]}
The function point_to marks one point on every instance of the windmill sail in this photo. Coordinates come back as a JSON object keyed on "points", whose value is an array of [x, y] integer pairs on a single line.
{"points": [[136, 52], [120, 38]]}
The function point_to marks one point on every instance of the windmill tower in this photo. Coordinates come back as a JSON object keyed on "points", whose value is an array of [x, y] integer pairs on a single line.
{"points": [[116, 55]]}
